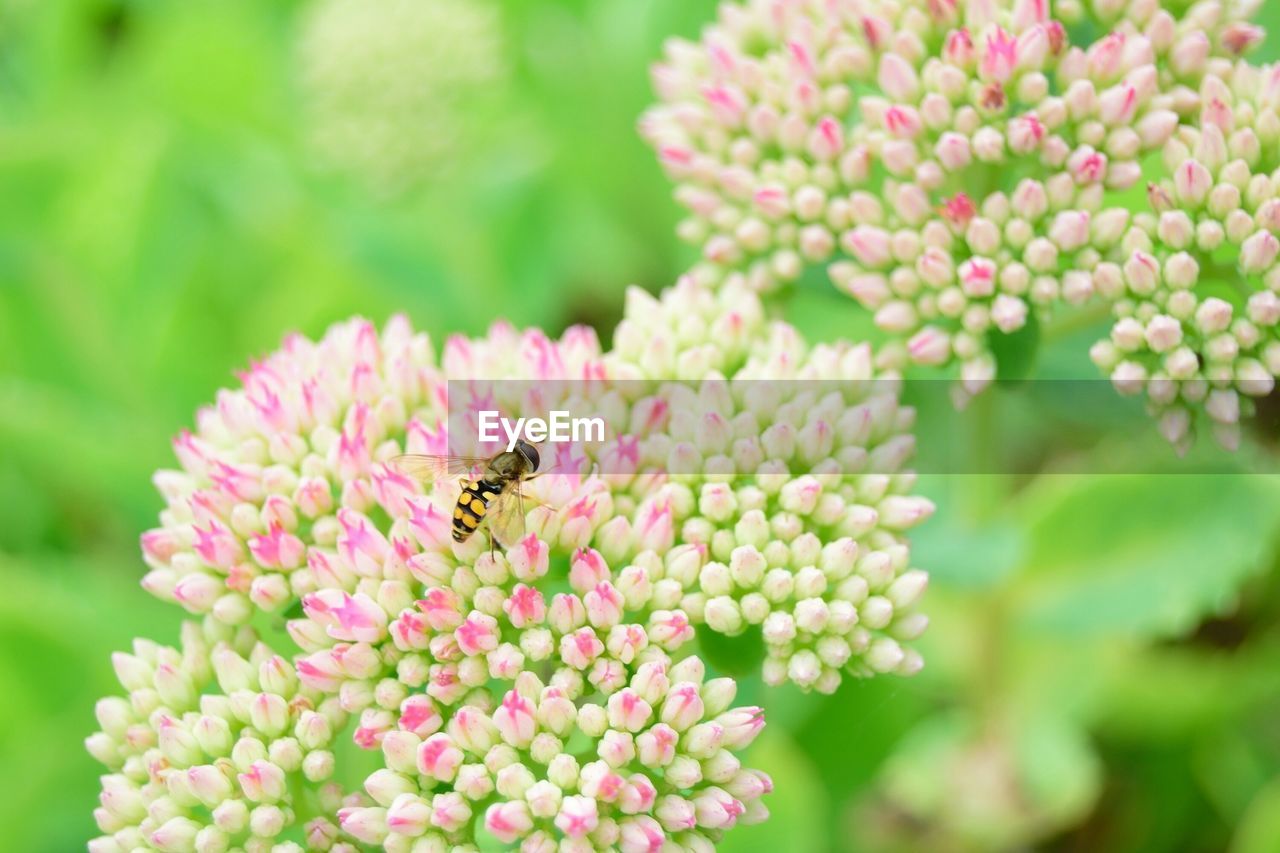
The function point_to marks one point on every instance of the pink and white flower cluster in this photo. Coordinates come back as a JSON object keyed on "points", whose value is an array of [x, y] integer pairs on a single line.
{"points": [[195, 769], [1196, 287], [796, 518], [960, 167], [557, 674], [659, 767]]}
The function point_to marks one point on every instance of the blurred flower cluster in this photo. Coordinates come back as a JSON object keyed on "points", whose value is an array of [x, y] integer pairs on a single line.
{"points": [[549, 693], [960, 168], [397, 91]]}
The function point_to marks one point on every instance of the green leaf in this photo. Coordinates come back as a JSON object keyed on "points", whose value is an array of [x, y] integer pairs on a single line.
{"points": [[798, 805], [967, 555], [1259, 831], [59, 622], [1059, 769], [1134, 555]]}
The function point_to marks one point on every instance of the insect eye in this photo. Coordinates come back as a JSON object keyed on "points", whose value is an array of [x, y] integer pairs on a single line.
{"points": [[530, 453]]}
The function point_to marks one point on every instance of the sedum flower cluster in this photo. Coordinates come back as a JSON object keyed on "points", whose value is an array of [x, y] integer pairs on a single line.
{"points": [[962, 168], [398, 92], [547, 694], [208, 771], [790, 489], [650, 764], [1195, 289]]}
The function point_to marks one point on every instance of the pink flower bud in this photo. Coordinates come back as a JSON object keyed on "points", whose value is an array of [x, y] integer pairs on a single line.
{"points": [[408, 815], [826, 142], [269, 713], [654, 528], [1259, 252], [741, 726], [508, 821], [208, 784], [1213, 315], [626, 642], [449, 811], [439, 757], [216, 546], [578, 816], [197, 591], [870, 245], [958, 49], [175, 834], [355, 618], [515, 720], [703, 740], [262, 782], [1156, 127], [529, 558], [556, 712], [628, 711], [616, 749], [361, 543], [1240, 37], [418, 714], [1192, 182], [637, 795], [1070, 230], [959, 210], [682, 707], [675, 813], [1163, 333], [999, 56], [902, 121], [543, 798], [1009, 313], [604, 605], [567, 613], [580, 648], [641, 834], [364, 824], [669, 629], [473, 730], [429, 524], [898, 79], [1142, 273], [656, 747], [477, 634], [929, 346], [1190, 53], [525, 607], [442, 608], [1087, 166], [474, 781], [716, 809], [1025, 133], [1264, 308], [651, 682], [1117, 105], [587, 569]]}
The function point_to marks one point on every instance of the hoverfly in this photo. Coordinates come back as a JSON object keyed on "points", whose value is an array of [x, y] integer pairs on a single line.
{"points": [[496, 494]]}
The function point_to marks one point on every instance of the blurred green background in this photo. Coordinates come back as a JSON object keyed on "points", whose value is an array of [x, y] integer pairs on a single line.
{"points": [[180, 184]]}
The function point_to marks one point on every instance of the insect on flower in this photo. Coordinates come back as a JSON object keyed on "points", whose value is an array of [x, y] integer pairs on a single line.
{"points": [[497, 493]]}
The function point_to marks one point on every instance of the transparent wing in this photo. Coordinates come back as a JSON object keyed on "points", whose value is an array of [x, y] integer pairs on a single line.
{"points": [[506, 516], [432, 468]]}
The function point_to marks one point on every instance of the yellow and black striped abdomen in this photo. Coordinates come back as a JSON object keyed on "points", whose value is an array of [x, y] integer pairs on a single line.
{"points": [[472, 505]]}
